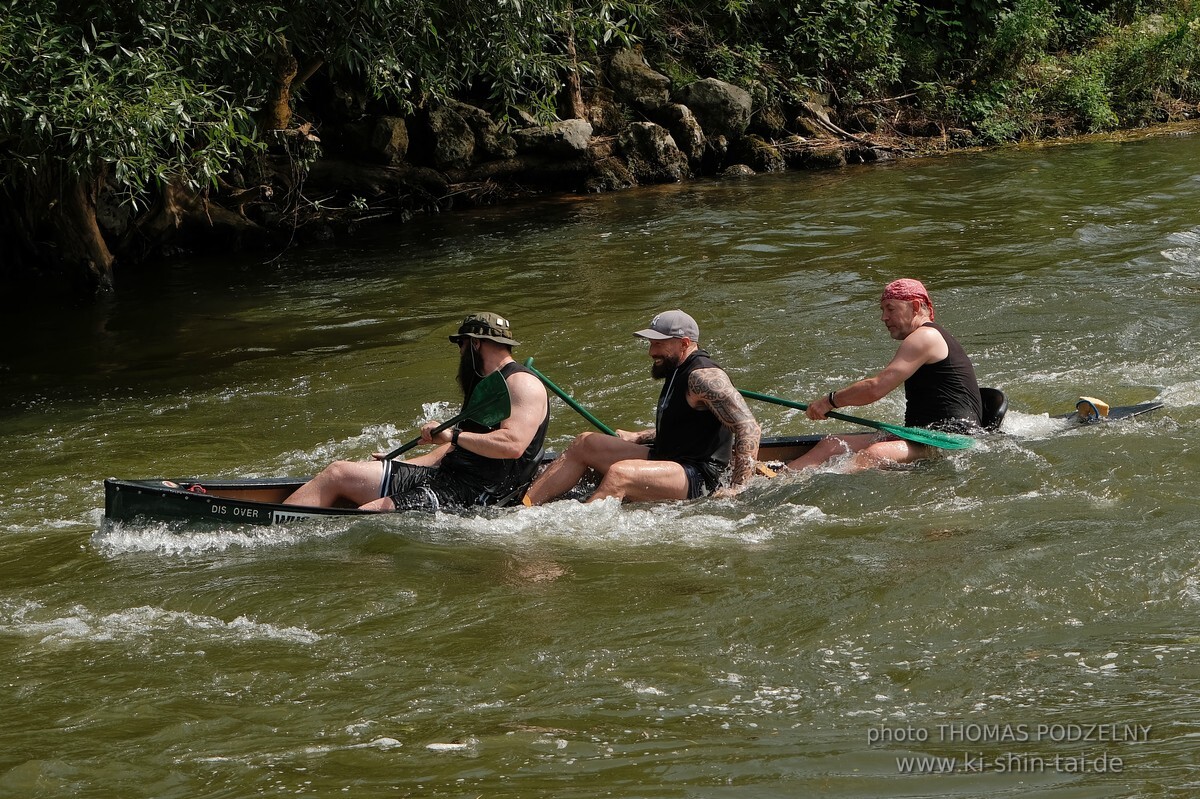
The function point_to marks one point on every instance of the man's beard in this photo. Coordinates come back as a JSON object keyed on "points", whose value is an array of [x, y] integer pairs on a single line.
{"points": [[468, 375], [659, 371]]}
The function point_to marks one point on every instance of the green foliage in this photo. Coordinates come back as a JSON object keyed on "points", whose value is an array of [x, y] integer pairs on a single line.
{"points": [[1081, 92], [1020, 36], [846, 45], [410, 52], [1078, 69], [110, 89], [1157, 56], [146, 92]]}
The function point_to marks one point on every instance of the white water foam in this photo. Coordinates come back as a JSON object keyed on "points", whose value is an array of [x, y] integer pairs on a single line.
{"points": [[114, 539], [1034, 426], [1179, 395], [144, 623], [601, 523]]}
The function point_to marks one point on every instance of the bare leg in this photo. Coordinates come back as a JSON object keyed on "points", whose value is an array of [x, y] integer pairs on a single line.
{"points": [[831, 447], [587, 451], [868, 451], [886, 453], [643, 481], [351, 482]]}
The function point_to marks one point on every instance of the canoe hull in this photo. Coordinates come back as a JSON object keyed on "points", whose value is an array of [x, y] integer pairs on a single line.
{"points": [[259, 501], [249, 501]]}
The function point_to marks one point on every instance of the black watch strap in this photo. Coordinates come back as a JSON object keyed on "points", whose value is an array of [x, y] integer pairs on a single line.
{"points": [[454, 431]]}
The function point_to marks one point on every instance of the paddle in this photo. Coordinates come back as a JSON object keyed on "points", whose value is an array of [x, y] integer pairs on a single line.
{"points": [[918, 435], [488, 405], [567, 399]]}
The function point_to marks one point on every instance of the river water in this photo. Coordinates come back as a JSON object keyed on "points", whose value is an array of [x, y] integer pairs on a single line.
{"points": [[1029, 608]]}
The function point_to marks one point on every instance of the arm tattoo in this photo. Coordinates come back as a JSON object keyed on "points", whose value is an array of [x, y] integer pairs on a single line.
{"points": [[716, 392]]}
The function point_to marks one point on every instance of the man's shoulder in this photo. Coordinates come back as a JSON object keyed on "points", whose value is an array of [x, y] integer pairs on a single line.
{"points": [[926, 343], [709, 378], [926, 335], [525, 384]]}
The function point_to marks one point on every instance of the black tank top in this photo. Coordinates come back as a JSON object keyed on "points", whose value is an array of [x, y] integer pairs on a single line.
{"points": [[494, 476], [687, 434], [944, 395]]}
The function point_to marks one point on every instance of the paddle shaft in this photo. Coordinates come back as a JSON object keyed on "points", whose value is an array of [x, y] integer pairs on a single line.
{"points": [[932, 438], [453, 420], [803, 407], [565, 397]]}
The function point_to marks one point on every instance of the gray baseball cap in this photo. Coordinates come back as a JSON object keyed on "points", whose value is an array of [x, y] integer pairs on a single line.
{"points": [[671, 324]]}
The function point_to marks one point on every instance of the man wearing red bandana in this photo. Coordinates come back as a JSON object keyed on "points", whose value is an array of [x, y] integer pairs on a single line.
{"points": [[940, 389]]}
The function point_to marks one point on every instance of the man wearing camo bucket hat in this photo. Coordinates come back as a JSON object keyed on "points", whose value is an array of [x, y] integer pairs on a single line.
{"points": [[473, 463]]}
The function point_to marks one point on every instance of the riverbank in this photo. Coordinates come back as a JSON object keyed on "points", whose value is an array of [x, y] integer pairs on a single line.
{"points": [[325, 182], [289, 130], [341, 167]]}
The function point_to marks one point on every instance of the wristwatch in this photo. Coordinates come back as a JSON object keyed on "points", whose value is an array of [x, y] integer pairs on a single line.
{"points": [[454, 435]]}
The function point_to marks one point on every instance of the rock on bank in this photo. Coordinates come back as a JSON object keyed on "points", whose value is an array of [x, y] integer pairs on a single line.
{"points": [[348, 162]]}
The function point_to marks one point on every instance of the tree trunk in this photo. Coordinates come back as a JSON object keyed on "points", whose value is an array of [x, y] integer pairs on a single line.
{"points": [[183, 215], [277, 111], [571, 100], [80, 244]]}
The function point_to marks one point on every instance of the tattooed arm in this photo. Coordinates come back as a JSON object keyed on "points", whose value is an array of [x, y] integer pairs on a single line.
{"points": [[640, 437], [713, 389]]}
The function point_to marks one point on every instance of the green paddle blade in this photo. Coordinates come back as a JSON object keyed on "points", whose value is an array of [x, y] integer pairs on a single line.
{"points": [[488, 405], [917, 435]]}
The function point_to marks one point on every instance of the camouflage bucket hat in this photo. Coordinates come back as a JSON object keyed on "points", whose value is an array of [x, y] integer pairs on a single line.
{"points": [[491, 326]]}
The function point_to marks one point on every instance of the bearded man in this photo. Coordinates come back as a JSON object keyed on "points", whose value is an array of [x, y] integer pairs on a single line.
{"points": [[701, 426], [473, 464]]}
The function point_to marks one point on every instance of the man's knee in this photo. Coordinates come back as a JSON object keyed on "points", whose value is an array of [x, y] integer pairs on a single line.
{"points": [[337, 471], [621, 475], [880, 454], [581, 447], [583, 441]]}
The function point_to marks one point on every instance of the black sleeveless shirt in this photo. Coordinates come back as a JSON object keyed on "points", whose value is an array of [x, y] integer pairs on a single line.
{"points": [[495, 476], [944, 395], [686, 434]]}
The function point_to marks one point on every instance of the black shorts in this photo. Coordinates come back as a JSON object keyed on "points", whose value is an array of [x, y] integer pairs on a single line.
{"points": [[697, 485], [426, 488]]}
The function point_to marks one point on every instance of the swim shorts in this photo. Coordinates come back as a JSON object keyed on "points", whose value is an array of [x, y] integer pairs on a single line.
{"points": [[425, 488]]}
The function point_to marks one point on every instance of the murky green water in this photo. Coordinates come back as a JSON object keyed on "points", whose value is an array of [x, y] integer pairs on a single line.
{"points": [[992, 607]]}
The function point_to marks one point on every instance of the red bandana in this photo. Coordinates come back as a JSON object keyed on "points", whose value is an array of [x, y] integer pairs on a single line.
{"points": [[908, 289]]}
